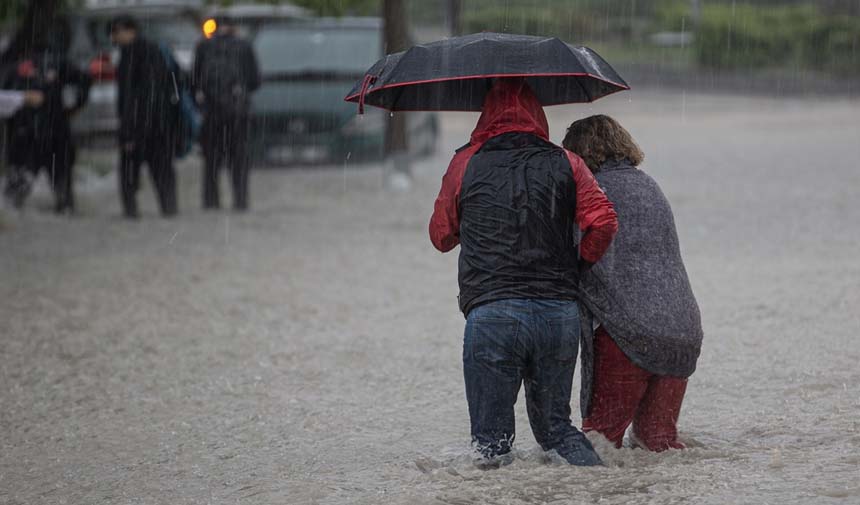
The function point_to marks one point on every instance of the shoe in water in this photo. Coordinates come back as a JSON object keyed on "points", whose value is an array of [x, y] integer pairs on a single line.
{"points": [[577, 450]]}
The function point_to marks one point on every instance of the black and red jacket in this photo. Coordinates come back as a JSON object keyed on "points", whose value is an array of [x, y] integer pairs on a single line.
{"points": [[513, 200]]}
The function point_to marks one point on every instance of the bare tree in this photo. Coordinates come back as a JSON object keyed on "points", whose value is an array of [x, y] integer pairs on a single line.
{"points": [[455, 8], [396, 39], [696, 10]]}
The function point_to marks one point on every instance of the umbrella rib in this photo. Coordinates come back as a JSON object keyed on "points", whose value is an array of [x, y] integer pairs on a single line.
{"points": [[587, 94], [399, 93]]}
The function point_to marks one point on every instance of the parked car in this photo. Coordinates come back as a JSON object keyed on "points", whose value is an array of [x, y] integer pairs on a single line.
{"points": [[299, 115], [174, 23]]}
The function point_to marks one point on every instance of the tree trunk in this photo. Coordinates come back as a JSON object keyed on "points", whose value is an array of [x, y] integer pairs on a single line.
{"points": [[455, 8], [696, 10], [396, 39]]}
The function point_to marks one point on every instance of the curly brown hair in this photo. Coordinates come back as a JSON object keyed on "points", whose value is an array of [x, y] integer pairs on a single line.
{"points": [[598, 139]]}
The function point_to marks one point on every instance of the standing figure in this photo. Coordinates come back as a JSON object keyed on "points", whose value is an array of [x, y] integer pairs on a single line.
{"points": [[148, 98], [40, 137], [224, 76], [517, 204], [650, 330]]}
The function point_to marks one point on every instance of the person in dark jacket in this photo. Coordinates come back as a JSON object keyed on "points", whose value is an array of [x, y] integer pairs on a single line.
{"points": [[41, 137], [516, 204], [650, 330], [224, 76], [147, 103]]}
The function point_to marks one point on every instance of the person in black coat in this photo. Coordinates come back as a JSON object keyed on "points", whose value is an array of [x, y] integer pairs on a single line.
{"points": [[148, 94], [224, 76], [40, 137], [528, 217]]}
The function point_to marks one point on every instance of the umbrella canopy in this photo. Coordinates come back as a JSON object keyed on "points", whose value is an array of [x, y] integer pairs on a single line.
{"points": [[455, 74]]}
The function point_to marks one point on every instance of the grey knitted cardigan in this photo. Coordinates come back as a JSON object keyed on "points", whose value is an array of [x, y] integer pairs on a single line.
{"points": [[639, 290]]}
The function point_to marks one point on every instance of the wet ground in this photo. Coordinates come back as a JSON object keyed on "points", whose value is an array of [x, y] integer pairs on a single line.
{"points": [[309, 352]]}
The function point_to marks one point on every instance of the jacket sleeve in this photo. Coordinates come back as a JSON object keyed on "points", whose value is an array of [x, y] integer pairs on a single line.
{"points": [[594, 212], [445, 223], [197, 68], [81, 81], [128, 99], [253, 70]]}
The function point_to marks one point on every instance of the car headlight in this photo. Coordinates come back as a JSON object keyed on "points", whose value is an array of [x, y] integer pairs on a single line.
{"points": [[365, 124]]}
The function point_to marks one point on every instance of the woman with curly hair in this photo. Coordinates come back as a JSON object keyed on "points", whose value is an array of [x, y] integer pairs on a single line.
{"points": [[636, 367]]}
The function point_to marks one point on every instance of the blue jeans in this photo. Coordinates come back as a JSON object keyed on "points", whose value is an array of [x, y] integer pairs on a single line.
{"points": [[509, 342]]}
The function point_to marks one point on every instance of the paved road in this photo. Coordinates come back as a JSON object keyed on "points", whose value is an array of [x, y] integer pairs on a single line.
{"points": [[309, 352]]}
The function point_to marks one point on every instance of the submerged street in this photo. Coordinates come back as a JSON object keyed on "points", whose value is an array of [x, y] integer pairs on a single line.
{"points": [[310, 350]]}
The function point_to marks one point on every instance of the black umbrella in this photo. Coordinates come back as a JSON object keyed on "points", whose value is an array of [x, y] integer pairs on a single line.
{"points": [[455, 74]]}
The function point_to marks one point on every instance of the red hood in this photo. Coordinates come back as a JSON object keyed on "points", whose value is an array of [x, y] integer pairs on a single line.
{"points": [[510, 106]]}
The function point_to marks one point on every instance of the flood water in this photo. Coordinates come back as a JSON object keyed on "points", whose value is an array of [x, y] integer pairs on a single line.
{"points": [[309, 352]]}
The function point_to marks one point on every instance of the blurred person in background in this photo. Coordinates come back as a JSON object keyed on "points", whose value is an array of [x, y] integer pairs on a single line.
{"points": [[39, 136], [224, 76], [650, 330], [148, 98], [516, 203]]}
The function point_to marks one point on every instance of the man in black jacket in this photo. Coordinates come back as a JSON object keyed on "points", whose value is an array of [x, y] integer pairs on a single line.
{"points": [[224, 76], [149, 115], [517, 204]]}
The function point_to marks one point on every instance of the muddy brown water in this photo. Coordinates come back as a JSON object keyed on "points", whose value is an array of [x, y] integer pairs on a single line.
{"points": [[309, 352]]}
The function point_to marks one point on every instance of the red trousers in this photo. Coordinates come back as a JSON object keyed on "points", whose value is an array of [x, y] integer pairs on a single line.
{"points": [[624, 393]]}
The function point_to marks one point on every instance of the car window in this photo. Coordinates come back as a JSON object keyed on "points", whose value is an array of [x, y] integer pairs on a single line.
{"points": [[97, 27], [80, 46], [302, 49], [177, 32]]}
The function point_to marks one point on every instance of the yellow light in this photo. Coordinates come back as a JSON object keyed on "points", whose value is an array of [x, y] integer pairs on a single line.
{"points": [[209, 27]]}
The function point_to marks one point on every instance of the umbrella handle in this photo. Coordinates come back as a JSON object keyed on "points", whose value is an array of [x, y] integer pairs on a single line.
{"points": [[368, 81]]}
